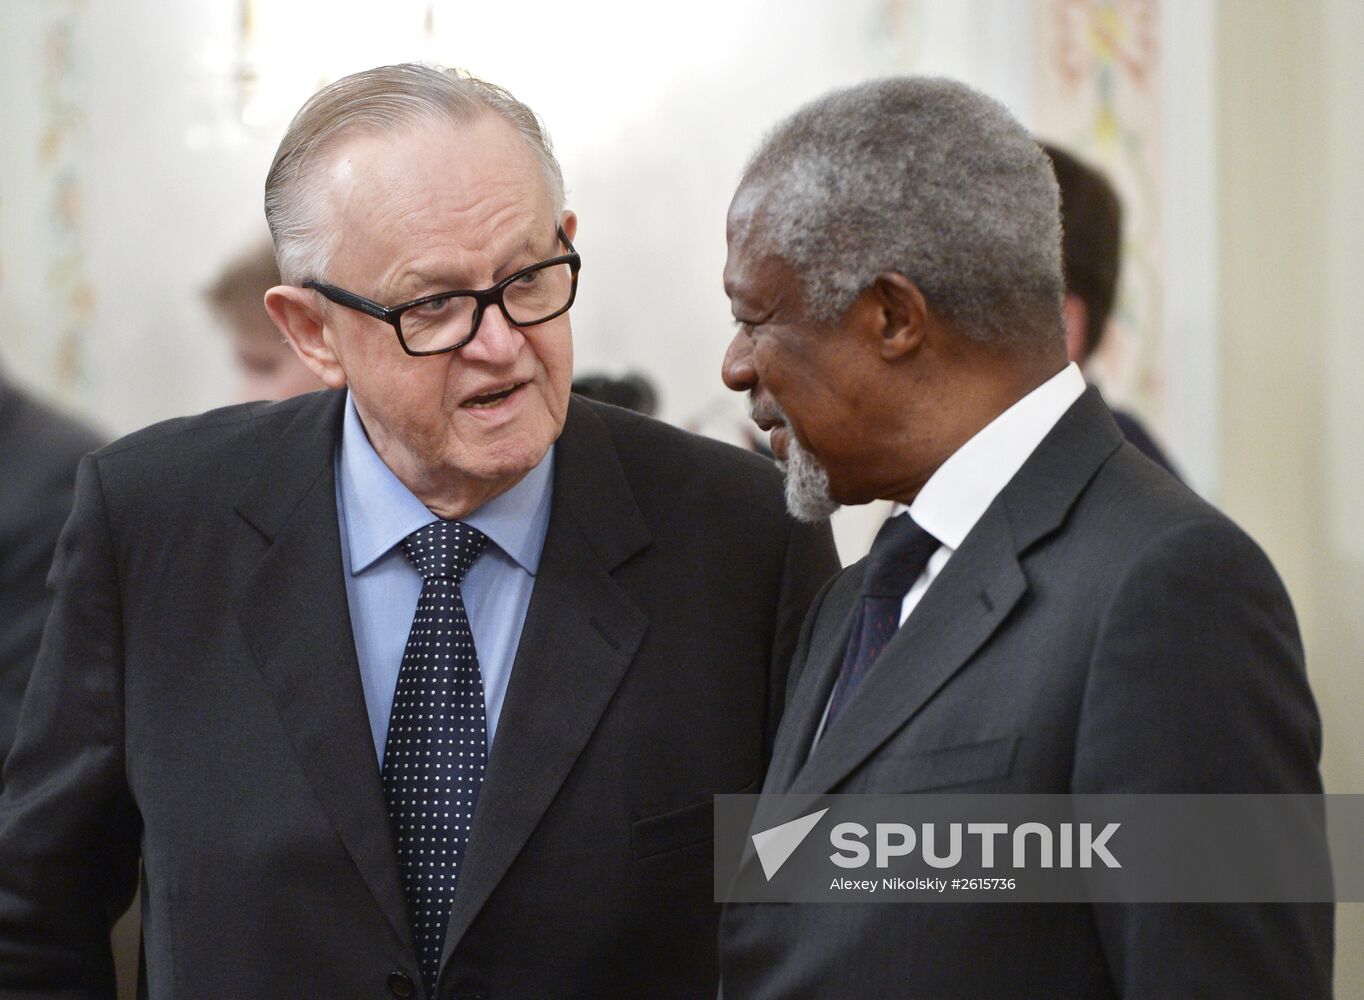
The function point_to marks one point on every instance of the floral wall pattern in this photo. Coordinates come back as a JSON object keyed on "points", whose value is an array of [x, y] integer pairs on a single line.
{"points": [[63, 155], [1098, 93]]}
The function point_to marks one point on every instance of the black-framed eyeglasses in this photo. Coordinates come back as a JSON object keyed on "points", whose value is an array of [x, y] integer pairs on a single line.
{"points": [[446, 321]]}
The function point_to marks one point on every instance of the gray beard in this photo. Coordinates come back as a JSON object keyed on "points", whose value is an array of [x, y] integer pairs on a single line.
{"points": [[807, 485]]}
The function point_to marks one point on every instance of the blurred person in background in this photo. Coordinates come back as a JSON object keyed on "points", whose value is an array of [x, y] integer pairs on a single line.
{"points": [[39, 451], [317, 664], [1091, 257], [1047, 612], [269, 367], [632, 391]]}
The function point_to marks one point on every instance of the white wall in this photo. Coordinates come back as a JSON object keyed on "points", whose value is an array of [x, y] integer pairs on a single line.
{"points": [[653, 109], [653, 113], [1290, 122]]}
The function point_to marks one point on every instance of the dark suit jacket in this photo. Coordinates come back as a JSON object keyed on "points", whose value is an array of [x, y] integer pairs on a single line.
{"points": [[198, 697], [1101, 629], [39, 451], [1136, 433]]}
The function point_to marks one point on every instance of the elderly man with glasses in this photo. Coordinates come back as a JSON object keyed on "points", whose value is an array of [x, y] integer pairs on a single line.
{"points": [[421, 686]]}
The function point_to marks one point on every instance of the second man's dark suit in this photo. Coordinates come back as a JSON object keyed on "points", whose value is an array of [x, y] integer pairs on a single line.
{"points": [[198, 697], [1101, 629], [39, 451]]}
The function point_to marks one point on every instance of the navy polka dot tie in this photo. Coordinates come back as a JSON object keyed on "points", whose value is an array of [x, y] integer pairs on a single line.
{"points": [[899, 554], [437, 744]]}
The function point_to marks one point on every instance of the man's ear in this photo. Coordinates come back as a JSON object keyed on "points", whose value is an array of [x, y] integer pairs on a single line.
{"points": [[568, 222], [901, 313], [1077, 328], [300, 316]]}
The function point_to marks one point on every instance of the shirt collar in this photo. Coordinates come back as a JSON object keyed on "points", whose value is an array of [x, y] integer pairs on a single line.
{"points": [[957, 495], [380, 511]]}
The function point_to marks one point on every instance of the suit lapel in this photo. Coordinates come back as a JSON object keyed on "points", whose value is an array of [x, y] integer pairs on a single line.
{"points": [[823, 659], [974, 593], [294, 613], [972, 596], [581, 633]]}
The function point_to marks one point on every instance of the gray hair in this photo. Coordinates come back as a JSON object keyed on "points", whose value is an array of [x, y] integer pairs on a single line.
{"points": [[925, 177], [383, 99]]}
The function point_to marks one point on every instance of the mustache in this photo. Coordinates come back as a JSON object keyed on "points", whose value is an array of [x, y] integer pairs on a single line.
{"points": [[768, 410]]}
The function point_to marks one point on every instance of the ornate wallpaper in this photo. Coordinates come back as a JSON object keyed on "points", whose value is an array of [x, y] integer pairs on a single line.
{"points": [[63, 155], [1098, 94]]}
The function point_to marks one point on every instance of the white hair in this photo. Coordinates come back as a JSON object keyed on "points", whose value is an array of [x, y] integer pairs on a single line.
{"points": [[808, 495], [924, 177], [383, 99]]}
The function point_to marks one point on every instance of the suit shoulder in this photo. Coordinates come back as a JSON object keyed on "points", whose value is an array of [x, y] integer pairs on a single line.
{"points": [[1148, 497], [208, 448], [1135, 514], [1135, 432]]}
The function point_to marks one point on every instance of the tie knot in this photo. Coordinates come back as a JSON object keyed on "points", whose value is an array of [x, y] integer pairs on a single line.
{"points": [[898, 556], [444, 550]]}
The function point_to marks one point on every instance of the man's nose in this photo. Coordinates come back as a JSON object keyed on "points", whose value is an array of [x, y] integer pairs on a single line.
{"points": [[737, 369], [497, 341]]}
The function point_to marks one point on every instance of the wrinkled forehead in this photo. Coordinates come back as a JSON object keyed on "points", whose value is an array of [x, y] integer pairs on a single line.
{"points": [[452, 202], [749, 218], [433, 170], [751, 266]]}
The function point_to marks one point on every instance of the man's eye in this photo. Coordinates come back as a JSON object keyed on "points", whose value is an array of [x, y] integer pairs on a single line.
{"points": [[529, 279], [433, 308]]}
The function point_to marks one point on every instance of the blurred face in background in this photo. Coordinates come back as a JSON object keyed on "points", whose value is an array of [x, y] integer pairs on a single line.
{"points": [[268, 366], [431, 209]]}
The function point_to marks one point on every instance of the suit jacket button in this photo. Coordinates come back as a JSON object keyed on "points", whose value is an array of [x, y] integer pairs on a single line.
{"points": [[399, 985]]}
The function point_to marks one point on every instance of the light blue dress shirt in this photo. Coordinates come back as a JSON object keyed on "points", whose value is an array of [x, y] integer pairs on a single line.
{"points": [[376, 512]]}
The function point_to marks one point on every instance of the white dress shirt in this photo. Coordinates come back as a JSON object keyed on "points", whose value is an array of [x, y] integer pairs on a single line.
{"points": [[376, 512], [957, 495]]}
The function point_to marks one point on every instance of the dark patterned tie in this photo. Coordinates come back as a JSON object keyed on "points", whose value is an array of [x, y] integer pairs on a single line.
{"points": [[437, 743], [898, 556]]}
